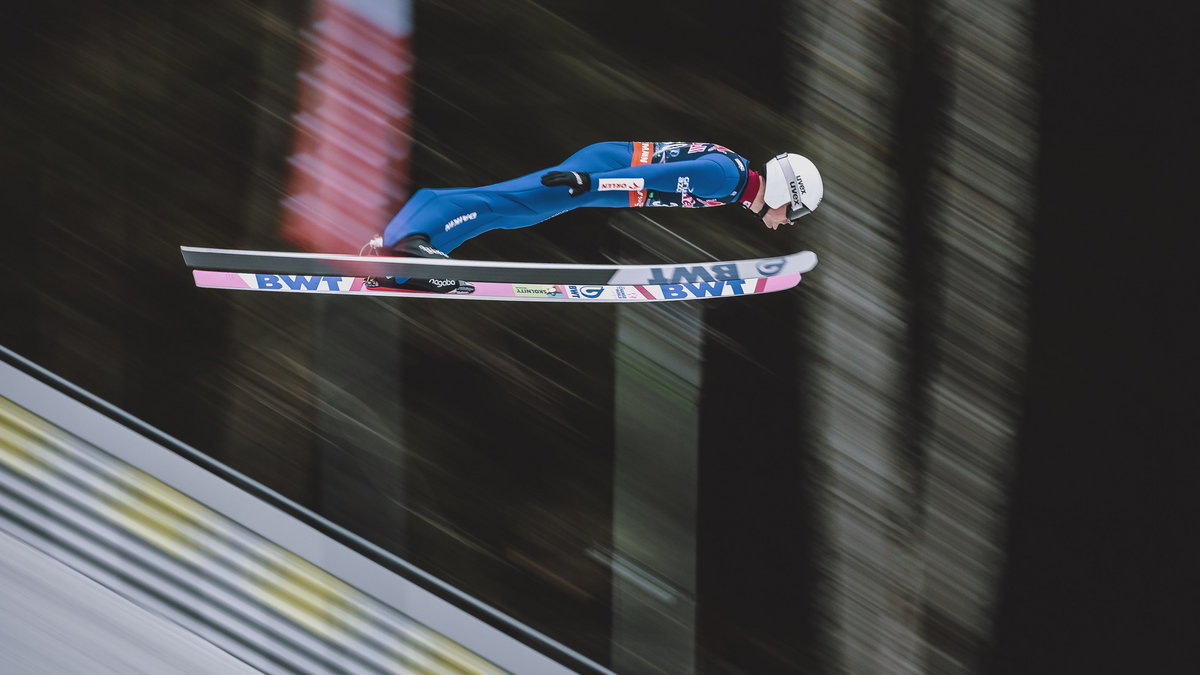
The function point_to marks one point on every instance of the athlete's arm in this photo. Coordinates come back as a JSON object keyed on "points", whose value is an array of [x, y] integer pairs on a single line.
{"points": [[709, 177]]}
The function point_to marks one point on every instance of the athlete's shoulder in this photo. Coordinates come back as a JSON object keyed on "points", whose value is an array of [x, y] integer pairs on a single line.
{"points": [[668, 151]]}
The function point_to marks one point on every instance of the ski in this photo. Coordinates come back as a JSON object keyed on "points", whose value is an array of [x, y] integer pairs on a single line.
{"points": [[335, 265], [347, 285]]}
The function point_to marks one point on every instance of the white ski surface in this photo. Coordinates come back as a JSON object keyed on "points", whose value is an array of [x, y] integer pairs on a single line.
{"points": [[336, 265]]}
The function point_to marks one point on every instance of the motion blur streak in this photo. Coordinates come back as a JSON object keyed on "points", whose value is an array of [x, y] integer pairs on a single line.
{"points": [[352, 129], [920, 320]]}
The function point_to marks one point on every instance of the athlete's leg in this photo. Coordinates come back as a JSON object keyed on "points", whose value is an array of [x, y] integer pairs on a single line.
{"points": [[451, 216], [431, 211]]}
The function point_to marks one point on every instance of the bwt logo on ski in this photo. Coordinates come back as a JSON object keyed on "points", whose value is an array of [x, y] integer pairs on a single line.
{"points": [[460, 220], [671, 275], [714, 289], [274, 282]]}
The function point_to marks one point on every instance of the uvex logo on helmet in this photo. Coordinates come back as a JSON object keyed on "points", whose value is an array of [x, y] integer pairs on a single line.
{"points": [[797, 187]]}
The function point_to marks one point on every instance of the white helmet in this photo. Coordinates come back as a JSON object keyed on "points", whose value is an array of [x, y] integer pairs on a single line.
{"points": [[794, 180]]}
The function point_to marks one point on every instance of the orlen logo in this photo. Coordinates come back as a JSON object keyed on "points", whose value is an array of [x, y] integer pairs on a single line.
{"points": [[769, 268], [621, 184], [460, 220]]}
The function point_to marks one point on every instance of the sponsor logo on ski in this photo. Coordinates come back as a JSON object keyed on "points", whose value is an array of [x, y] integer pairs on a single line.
{"points": [[621, 184], [588, 292], [703, 290], [684, 184], [536, 291], [460, 220], [671, 275], [769, 268], [277, 282]]}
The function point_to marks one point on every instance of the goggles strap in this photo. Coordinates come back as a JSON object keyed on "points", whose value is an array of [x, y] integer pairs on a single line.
{"points": [[790, 177]]}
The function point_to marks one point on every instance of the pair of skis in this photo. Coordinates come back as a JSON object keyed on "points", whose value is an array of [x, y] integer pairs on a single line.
{"points": [[547, 282]]}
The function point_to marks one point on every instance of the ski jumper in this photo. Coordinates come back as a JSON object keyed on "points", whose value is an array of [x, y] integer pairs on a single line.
{"points": [[638, 174]]}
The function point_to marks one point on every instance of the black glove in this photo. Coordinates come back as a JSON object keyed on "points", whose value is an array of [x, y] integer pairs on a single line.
{"points": [[577, 182]]}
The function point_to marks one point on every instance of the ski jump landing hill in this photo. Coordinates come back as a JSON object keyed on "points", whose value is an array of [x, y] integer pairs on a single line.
{"points": [[168, 548]]}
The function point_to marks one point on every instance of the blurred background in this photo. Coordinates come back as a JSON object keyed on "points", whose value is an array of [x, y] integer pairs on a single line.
{"points": [[966, 443]]}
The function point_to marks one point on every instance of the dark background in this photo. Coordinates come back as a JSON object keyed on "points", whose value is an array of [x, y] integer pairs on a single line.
{"points": [[133, 127], [1103, 572]]}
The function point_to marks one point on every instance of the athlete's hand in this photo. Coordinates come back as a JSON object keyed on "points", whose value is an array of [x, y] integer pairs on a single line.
{"points": [[577, 182]]}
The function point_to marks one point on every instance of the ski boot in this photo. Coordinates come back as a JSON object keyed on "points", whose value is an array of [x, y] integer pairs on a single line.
{"points": [[414, 246]]}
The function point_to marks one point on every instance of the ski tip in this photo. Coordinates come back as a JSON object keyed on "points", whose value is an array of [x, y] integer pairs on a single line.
{"points": [[807, 261]]}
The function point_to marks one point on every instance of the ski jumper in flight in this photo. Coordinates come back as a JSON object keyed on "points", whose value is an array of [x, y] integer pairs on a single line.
{"points": [[611, 175]]}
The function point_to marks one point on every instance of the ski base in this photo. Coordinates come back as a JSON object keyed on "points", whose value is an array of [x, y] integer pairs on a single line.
{"points": [[344, 285]]}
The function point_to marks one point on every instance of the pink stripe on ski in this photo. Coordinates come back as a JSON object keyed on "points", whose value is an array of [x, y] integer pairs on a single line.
{"points": [[494, 290], [219, 279], [778, 283], [645, 293]]}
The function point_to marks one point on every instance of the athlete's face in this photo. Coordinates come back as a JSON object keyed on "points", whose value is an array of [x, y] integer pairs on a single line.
{"points": [[777, 216]]}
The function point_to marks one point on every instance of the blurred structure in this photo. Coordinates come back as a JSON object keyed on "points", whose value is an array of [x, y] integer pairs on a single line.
{"points": [[656, 483], [55, 619], [923, 120], [251, 573], [350, 164], [804, 483]]}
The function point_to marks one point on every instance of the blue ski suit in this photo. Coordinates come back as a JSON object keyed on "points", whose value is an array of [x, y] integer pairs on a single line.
{"points": [[623, 174]]}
